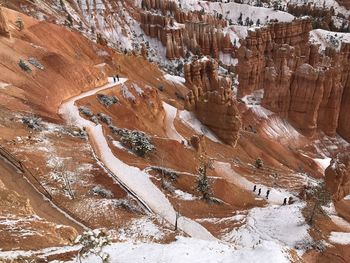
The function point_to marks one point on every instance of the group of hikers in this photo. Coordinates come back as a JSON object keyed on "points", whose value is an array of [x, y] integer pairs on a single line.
{"points": [[116, 78], [290, 199]]}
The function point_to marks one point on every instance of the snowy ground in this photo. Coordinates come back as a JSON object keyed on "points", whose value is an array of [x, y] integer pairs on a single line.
{"points": [[283, 225], [192, 250], [276, 195], [328, 38], [135, 180], [233, 10], [342, 238], [171, 113]]}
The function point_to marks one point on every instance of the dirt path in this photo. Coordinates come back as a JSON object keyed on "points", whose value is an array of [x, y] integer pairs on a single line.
{"points": [[16, 181]]}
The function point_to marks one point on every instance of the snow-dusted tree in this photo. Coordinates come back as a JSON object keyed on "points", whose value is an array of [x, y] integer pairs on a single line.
{"points": [[93, 242], [276, 5], [203, 183], [137, 141], [317, 197], [62, 171]]}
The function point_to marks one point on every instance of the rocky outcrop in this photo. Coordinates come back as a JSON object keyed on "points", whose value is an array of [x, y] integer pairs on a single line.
{"points": [[263, 45], [181, 31], [198, 143], [4, 30], [338, 176], [308, 88], [167, 30], [211, 99], [343, 121]]}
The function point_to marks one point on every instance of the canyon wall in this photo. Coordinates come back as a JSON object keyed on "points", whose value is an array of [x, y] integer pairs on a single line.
{"points": [[337, 177], [211, 99], [310, 89], [180, 31]]}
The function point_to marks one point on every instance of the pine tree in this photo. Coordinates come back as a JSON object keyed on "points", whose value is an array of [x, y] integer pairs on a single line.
{"points": [[203, 183]]}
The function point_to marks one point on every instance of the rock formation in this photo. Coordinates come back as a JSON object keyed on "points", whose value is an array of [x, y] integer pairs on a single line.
{"points": [[198, 143], [338, 176], [181, 31], [211, 99], [308, 88], [4, 30]]}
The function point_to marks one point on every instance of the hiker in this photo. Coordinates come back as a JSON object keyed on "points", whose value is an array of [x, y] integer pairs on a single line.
{"points": [[285, 201], [118, 77], [259, 191], [254, 188], [267, 194], [290, 200], [114, 79]]}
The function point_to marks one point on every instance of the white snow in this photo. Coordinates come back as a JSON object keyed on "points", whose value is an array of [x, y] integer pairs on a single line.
{"points": [[323, 163], [342, 238], [171, 113], [175, 79], [192, 250], [328, 38], [284, 225], [347, 197], [131, 177], [190, 120], [184, 196], [126, 93], [225, 170], [233, 10], [321, 3], [140, 228], [4, 85]]}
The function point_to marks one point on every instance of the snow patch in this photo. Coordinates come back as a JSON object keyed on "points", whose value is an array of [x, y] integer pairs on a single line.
{"points": [[342, 238], [175, 79], [171, 131]]}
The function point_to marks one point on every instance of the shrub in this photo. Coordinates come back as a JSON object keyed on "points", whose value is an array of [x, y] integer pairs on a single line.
{"points": [[166, 185], [86, 111], [19, 24], [137, 141], [259, 163], [128, 205], [104, 118], [32, 122], [99, 190], [24, 66], [107, 100], [94, 119], [36, 63], [161, 87], [166, 172], [92, 243]]}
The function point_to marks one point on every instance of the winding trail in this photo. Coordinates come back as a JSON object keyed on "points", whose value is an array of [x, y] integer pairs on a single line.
{"points": [[133, 178]]}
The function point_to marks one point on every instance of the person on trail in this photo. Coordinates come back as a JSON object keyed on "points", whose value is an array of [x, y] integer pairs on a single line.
{"points": [[267, 194], [285, 201], [254, 188], [114, 79], [259, 191], [118, 77]]}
